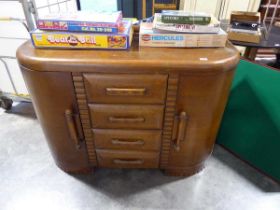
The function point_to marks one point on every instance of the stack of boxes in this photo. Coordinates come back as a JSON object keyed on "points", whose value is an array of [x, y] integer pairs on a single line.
{"points": [[182, 29], [245, 27], [83, 30]]}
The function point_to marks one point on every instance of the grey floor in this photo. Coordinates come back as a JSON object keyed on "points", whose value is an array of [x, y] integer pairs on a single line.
{"points": [[29, 179]]}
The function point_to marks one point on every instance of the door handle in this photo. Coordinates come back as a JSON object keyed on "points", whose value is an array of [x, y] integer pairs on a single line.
{"points": [[126, 119], [120, 161], [72, 128], [179, 129], [126, 91], [127, 142]]}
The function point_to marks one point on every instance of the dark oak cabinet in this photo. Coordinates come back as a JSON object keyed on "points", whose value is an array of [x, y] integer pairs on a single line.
{"points": [[140, 108]]}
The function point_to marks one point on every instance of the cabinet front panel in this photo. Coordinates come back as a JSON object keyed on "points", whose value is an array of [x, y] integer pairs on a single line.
{"points": [[203, 99], [127, 159], [52, 94], [126, 116], [127, 139], [125, 89]]}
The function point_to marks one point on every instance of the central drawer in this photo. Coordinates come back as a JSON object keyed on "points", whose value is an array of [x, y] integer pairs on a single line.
{"points": [[127, 139], [126, 116], [125, 89], [127, 159]]}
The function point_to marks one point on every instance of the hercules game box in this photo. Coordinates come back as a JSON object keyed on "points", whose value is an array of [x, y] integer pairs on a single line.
{"points": [[158, 38]]}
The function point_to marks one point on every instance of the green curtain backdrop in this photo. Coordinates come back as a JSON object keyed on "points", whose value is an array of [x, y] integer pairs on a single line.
{"points": [[251, 124]]}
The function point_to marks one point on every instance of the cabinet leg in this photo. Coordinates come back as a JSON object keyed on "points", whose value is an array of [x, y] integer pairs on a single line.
{"points": [[187, 171], [250, 53]]}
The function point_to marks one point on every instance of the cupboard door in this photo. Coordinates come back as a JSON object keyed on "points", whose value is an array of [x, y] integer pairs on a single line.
{"points": [[201, 101], [52, 94]]}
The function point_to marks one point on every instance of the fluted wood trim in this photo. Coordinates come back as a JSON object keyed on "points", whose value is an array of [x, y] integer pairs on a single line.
{"points": [[84, 115], [169, 113]]}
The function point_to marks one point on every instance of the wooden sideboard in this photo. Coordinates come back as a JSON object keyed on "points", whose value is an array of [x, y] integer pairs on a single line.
{"points": [[141, 108]]}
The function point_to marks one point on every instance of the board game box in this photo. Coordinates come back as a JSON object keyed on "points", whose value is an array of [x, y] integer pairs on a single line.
{"points": [[81, 21], [183, 17], [156, 38], [212, 27], [77, 40]]}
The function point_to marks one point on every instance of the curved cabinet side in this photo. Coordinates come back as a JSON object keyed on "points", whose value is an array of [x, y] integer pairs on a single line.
{"points": [[52, 93], [203, 98]]}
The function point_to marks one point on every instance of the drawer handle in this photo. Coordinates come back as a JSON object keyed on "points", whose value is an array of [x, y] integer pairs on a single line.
{"points": [[126, 119], [126, 91], [128, 141], [120, 161], [179, 129], [70, 121]]}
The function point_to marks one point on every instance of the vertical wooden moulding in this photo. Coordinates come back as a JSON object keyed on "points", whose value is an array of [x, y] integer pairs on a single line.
{"points": [[169, 113], [84, 116]]}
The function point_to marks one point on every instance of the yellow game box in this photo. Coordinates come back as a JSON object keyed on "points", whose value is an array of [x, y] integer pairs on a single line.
{"points": [[74, 40]]}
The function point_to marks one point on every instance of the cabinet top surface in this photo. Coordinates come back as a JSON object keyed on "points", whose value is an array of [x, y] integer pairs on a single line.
{"points": [[136, 58]]}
